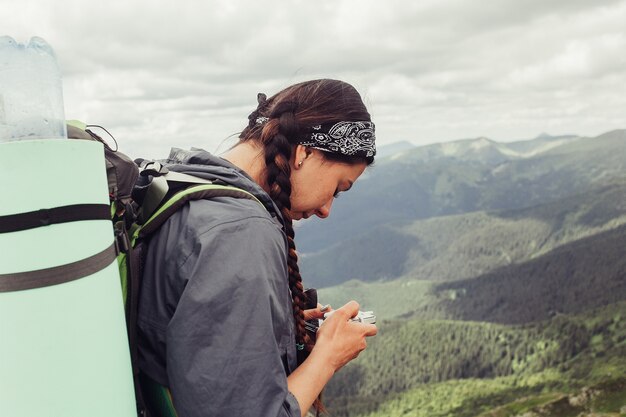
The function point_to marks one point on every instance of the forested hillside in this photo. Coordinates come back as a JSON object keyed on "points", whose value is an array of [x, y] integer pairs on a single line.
{"points": [[585, 274], [410, 361], [466, 245], [429, 182], [497, 273]]}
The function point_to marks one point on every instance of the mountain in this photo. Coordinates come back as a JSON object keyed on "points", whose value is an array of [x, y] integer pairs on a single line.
{"points": [[542, 143], [528, 336], [408, 217], [466, 245], [480, 149], [571, 279], [583, 274], [547, 335], [497, 274], [393, 149], [426, 182]]}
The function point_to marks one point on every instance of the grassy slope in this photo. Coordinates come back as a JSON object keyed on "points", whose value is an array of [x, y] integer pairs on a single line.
{"points": [[387, 299]]}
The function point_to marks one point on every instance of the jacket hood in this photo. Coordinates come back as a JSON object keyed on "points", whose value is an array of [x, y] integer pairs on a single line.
{"points": [[203, 164]]}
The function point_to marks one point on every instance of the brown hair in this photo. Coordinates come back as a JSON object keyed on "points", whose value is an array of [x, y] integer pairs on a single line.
{"points": [[289, 112]]}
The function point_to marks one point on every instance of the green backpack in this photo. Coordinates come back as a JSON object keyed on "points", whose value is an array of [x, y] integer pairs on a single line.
{"points": [[136, 216]]}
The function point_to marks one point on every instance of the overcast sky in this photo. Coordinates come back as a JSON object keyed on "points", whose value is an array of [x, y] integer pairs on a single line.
{"points": [[186, 73]]}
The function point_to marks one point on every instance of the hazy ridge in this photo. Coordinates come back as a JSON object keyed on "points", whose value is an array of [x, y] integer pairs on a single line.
{"points": [[568, 192], [497, 272]]}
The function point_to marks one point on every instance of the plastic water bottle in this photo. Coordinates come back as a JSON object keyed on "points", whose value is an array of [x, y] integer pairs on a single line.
{"points": [[31, 92]]}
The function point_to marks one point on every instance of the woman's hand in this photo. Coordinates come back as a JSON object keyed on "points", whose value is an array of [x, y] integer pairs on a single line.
{"points": [[340, 340], [317, 313]]}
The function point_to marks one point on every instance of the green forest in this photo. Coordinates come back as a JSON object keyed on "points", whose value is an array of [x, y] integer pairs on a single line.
{"points": [[498, 279], [454, 368]]}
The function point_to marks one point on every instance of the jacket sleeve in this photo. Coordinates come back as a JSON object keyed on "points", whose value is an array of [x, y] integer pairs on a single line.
{"points": [[226, 341]]}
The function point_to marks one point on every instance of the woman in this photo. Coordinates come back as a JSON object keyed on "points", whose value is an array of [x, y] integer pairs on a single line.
{"points": [[221, 313]]}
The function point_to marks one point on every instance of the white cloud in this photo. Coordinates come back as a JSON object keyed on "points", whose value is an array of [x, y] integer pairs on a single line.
{"points": [[185, 73]]}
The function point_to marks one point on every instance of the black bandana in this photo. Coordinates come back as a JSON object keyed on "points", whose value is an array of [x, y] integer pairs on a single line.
{"points": [[346, 138]]}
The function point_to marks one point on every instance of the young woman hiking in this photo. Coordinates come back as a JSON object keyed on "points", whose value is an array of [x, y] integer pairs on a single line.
{"points": [[221, 314]]}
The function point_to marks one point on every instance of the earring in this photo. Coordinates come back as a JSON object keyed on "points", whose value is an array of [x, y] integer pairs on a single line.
{"points": [[300, 163]]}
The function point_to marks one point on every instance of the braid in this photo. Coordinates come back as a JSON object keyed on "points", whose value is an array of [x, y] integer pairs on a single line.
{"points": [[278, 171]]}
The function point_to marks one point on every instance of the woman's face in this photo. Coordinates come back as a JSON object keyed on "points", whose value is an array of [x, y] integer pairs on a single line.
{"points": [[317, 181]]}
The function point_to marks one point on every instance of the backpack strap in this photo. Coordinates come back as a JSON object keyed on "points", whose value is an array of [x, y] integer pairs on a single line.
{"points": [[196, 192], [154, 400], [162, 182]]}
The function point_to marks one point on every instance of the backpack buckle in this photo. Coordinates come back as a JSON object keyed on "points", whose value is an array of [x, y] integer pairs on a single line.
{"points": [[129, 216], [122, 242], [153, 168]]}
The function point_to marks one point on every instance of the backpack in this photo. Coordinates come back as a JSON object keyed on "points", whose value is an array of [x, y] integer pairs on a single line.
{"points": [[143, 195]]}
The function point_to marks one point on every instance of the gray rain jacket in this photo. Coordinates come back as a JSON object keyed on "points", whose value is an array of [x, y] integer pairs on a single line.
{"points": [[215, 315]]}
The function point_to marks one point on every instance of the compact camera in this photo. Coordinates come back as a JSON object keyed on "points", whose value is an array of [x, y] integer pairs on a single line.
{"points": [[367, 317]]}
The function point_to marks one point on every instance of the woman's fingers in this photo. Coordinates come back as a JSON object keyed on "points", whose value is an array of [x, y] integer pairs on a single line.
{"points": [[317, 313], [349, 310], [370, 329], [341, 338], [313, 313]]}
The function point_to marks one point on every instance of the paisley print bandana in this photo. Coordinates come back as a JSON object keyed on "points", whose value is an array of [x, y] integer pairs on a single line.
{"points": [[347, 138]]}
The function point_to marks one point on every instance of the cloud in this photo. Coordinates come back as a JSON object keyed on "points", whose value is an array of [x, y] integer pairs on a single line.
{"points": [[187, 73]]}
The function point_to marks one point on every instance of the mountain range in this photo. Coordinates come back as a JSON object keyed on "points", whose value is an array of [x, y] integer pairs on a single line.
{"points": [[497, 272], [445, 211]]}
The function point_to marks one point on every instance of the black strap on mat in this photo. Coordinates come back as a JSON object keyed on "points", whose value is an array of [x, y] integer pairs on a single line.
{"points": [[21, 281], [45, 217]]}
